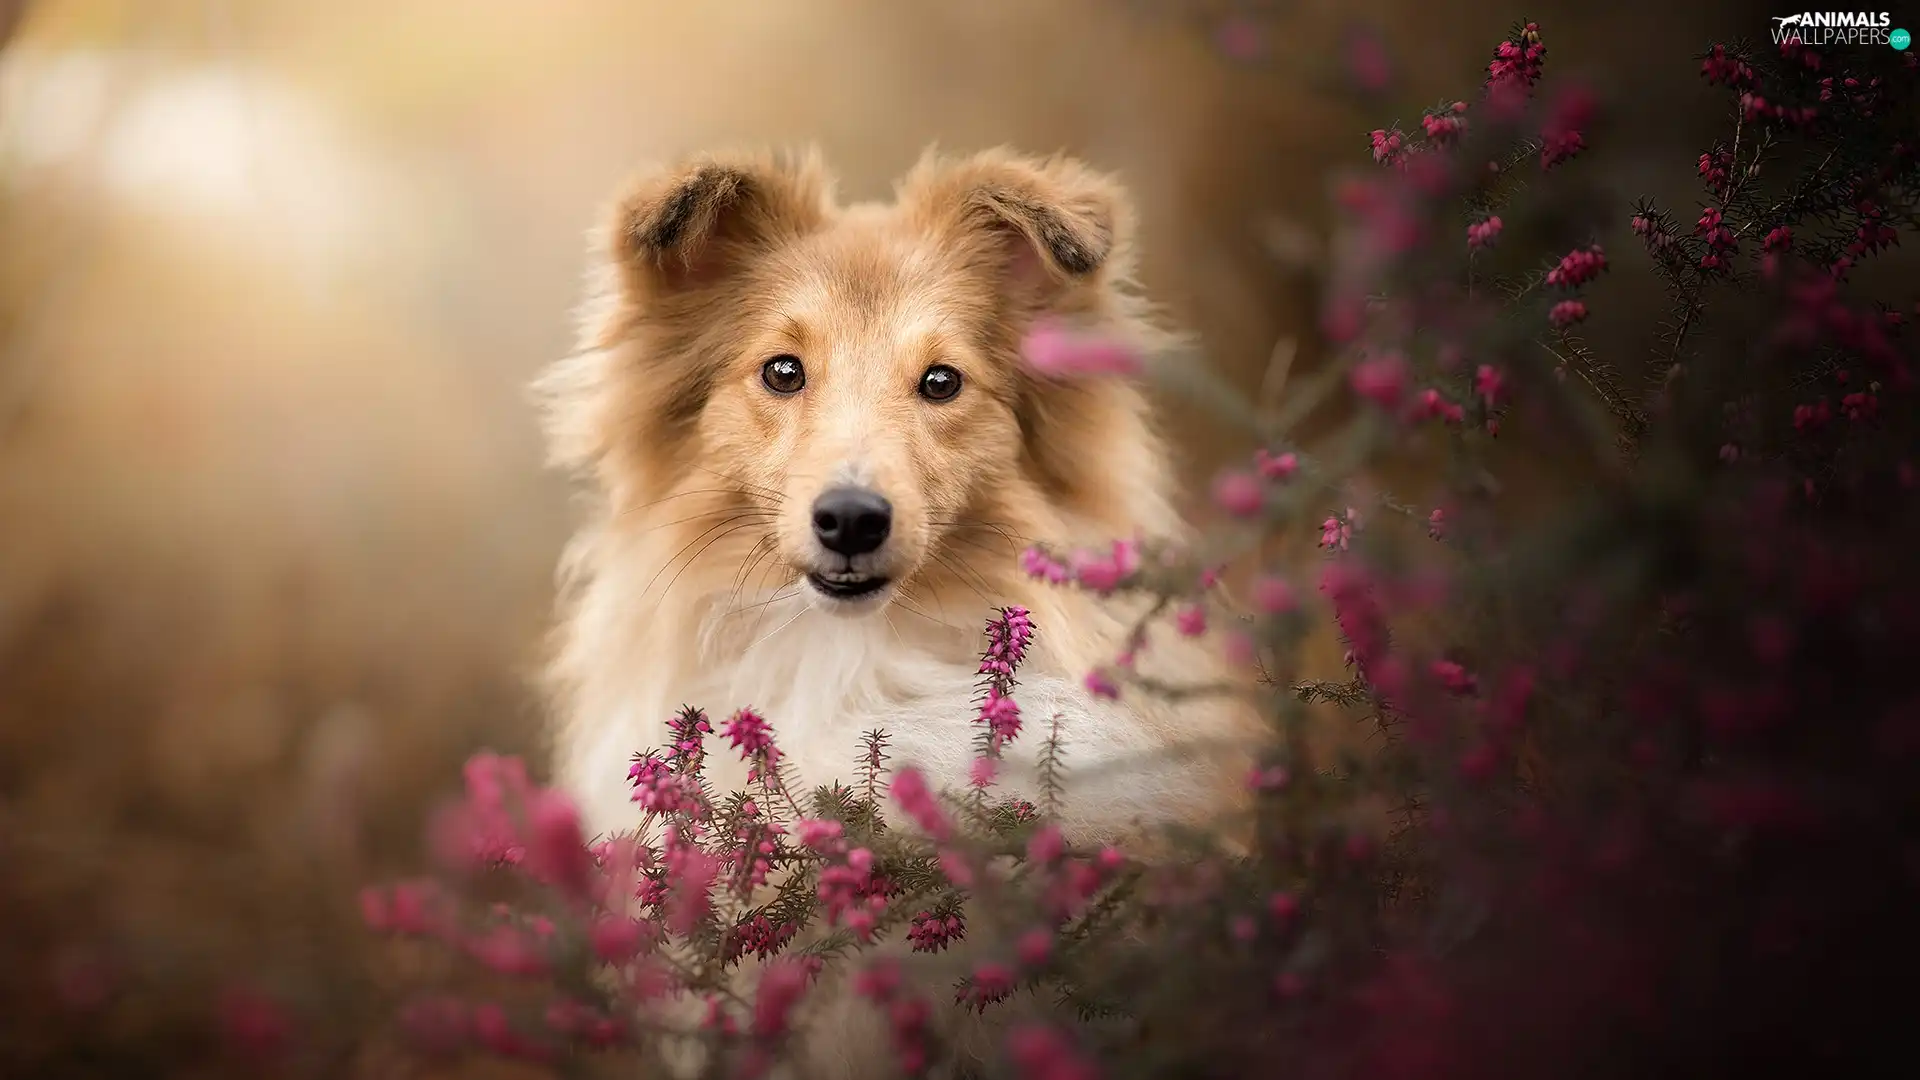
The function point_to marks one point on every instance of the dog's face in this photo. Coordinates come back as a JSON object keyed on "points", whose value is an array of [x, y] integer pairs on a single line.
{"points": [[841, 386]]}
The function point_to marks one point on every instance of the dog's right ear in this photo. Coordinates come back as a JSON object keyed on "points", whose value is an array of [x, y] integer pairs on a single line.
{"points": [[695, 224]]}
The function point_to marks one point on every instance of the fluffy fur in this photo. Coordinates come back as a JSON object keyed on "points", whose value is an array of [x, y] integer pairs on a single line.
{"points": [[688, 584]]}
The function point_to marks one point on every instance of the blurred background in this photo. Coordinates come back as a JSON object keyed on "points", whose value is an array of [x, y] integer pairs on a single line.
{"points": [[276, 543]]}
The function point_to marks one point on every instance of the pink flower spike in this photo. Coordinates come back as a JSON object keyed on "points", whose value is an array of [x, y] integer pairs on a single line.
{"points": [[1052, 349], [1100, 684], [1191, 621], [1273, 596], [1238, 494], [1381, 380], [1564, 314], [1275, 467]]}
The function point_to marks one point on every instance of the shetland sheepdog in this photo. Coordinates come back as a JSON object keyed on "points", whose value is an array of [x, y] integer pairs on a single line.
{"points": [[814, 456]]}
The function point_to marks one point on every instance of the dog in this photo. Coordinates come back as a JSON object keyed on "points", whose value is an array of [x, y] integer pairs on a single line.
{"points": [[814, 455]]}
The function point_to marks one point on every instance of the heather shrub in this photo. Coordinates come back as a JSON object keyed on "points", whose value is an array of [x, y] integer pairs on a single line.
{"points": [[1634, 788]]}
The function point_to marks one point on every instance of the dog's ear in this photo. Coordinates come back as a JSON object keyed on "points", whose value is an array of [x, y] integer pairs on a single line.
{"points": [[1043, 227], [695, 224]]}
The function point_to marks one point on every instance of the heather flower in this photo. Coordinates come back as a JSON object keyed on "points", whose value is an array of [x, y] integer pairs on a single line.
{"points": [[1101, 684], [1008, 636], [658, 789], [1238, 494], [781, 987], [1437, 524], [822, 835], [1041, 1053], [254, 1025], [1578, 267], [1273, 596], [990, 984], [1036, 563], [1053, 349], [752, 736], [931, 933], [1563, 135], [1275, 466], [1443, 127], [1721, 67], [1001, 716], [1191, 620], [910, 791], [1381, 380], [557, 851], [1482, 234], [1566, 313], [1517, 64]]}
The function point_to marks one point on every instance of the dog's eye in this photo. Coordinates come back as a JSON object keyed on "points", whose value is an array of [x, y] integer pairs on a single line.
{"points": [[939, 383], [783, 374]]}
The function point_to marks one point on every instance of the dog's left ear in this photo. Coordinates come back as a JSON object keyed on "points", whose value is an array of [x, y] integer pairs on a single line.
{"points": [[1043, 227]]}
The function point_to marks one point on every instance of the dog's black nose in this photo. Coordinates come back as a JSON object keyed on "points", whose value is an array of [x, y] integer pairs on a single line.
{"points": [[851, 521]]}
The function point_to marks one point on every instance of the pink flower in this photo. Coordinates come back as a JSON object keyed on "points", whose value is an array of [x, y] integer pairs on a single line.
{"points": [[983, 772], [1001, 716], [1368, 63], [1100, 684], [820, 834], [1516, 63], [931, 933], [1046, 846], [617, 939], [1035, 947], [1008, 635], [1489, 383], [1444, 127], [1041, 1053], [1238, 494], [253, 1024], [1566, 313], [752, 736], [437, 1025], [1269, 778], [991, 982], [1275, 467], [782, 984], [1455, 678], [1036, 563], [909, 789], [1563, 137], [1273, 596], [1381, 380], [1578, 267], [1437, 524], [509, 950], [1052, 349], [1191, 620], [1483, 234], [557, 852]]}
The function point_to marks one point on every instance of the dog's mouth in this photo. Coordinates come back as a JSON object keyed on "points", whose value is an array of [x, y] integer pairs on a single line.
{"points": [[847, 584]]}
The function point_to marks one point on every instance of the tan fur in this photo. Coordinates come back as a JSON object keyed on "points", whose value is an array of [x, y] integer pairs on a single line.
{"points": [[687, 584]]}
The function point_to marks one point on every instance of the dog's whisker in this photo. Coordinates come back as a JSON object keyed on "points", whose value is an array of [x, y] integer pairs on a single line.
{"points": [[760, 515], [796, 615], [774, 599], [991, 526], [696, 557], [910, 609], [770, 493], [978, 583], [689, 546], [746, 567], [681, 495]]}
